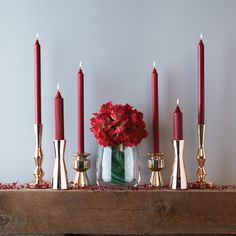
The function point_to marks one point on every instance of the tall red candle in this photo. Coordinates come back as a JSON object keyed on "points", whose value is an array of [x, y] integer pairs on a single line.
{"points": [[80, 88], [59, 116], [177, 123], [201, 99], [37, 64], [155, 115]]}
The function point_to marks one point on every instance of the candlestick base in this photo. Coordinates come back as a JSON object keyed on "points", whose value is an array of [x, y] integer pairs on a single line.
{"points": [[156, 164], [201, 157], [178, 178], [59, 178], [81, 165], [38, 156]]}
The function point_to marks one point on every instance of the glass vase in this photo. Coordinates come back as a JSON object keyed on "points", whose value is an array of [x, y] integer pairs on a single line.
{"points": [[118, 166]]}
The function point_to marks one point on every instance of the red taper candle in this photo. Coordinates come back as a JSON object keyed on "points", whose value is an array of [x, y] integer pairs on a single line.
{"points": [[80, 93], [155, 115], [201, 98], [59, 115], [37, 66], [177, 123]]}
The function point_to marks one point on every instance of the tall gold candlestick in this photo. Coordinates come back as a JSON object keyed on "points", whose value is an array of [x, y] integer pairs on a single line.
{"points": [[201, 156], [38, 155]]}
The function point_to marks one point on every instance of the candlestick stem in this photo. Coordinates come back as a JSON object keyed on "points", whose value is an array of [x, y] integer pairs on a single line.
{"points": [[201, 156], [81, 165], [59, 178], [178, 176], [156, 164], [38, 155]]}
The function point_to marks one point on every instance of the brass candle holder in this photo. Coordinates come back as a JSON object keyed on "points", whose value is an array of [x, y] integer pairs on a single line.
{"points": [[59, 178], [38, 155], [178, 175], [81, 165], [156, 164], [201, 157]]}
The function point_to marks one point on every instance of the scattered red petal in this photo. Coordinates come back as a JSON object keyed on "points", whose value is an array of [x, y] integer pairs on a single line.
{"points": [[145, 187]]}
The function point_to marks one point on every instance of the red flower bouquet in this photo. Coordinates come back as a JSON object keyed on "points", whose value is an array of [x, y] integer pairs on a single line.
{"points": [[117, 124]]}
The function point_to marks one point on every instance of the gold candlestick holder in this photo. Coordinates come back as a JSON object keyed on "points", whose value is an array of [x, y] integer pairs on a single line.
{"points": [[201, 157], [59, 178], [38, 155], [81, 165], [178, 175], [156, 164]]}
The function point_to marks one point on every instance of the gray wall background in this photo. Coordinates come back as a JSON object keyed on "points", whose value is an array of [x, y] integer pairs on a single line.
{"points": [[117, 42]]}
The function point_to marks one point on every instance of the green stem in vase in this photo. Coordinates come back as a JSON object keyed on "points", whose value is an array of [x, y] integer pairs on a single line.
{"points": [[118, 166]]}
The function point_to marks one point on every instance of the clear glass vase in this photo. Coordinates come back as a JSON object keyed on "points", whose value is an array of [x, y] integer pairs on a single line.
{"points": [[118, 166]]}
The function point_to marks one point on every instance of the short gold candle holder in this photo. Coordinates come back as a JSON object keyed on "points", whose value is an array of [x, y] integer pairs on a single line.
{"points": [[38, 156], [156, 164], [201, 158], [81, 165], [59, 178], [178, 179]]}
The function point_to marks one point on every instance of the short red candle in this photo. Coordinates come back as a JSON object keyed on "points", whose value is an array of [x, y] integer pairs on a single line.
{"points": [[177, 123], [155, 115], [37, 63], [59, 116], [201, 99], [80, 88]]}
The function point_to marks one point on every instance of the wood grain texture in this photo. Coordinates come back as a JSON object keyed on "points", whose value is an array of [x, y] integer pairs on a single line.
{"points": [[118, 212]]}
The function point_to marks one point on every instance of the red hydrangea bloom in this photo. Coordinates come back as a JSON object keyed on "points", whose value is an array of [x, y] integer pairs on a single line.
{"points": [[116, 124]]}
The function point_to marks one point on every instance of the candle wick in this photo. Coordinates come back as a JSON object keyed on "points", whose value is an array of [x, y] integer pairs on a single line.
{"points": [[201, 36], [177, 101], [37, 36], [154, 64], [58, 87], [80, 65]]}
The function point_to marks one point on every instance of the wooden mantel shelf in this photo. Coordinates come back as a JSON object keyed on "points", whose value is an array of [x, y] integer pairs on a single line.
{"points": [[118, 211]]}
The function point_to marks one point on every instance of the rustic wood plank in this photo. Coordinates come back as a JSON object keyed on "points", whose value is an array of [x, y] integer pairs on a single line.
{"points": [[118, 212]]}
